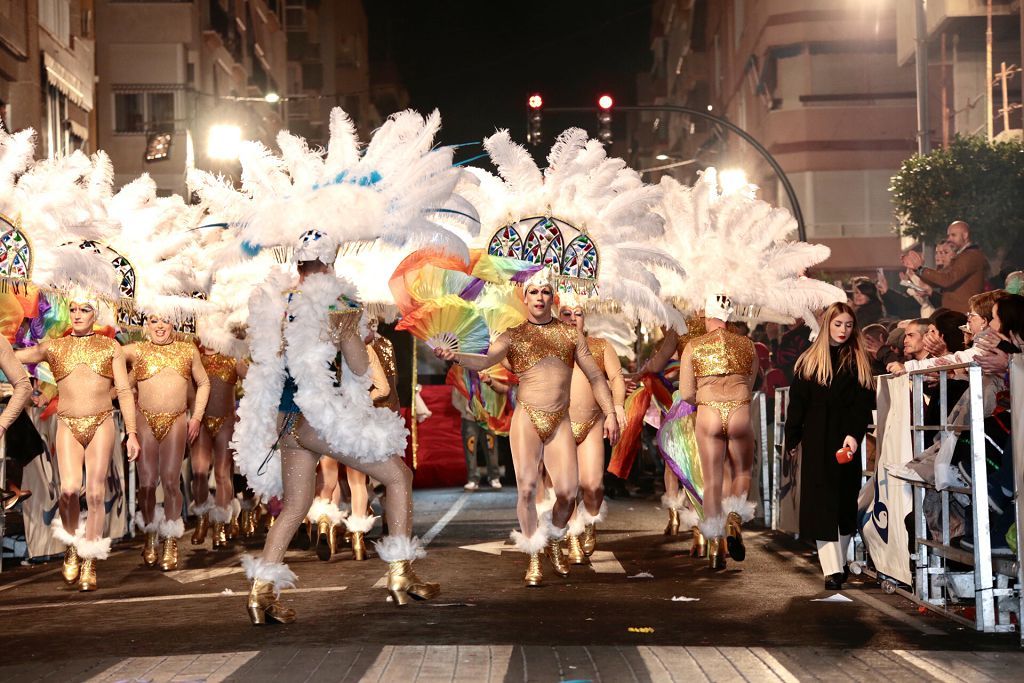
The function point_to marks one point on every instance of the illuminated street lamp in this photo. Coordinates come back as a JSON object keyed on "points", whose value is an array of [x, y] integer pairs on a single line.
{"points": [[224, 142], [733, 180], [662, 157], [271, 97]]}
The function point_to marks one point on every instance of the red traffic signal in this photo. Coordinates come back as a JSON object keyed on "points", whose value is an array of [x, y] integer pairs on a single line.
{"points": [[605, 101], [536, 101]]}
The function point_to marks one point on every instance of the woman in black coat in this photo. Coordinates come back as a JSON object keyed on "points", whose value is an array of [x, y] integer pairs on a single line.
{"points": [[830, 403]]}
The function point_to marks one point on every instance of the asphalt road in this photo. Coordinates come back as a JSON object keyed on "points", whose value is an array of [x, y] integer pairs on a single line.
{"points": [[644, 592]]}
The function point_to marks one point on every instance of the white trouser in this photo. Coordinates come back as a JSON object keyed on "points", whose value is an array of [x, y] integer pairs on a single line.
{"points": [[832, 555]]}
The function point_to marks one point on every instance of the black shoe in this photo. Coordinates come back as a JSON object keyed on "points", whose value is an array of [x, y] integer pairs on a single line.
{"points": [[834, 582], [736, 549]]}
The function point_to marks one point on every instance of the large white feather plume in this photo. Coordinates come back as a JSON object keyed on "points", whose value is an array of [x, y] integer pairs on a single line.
{"points": [[739, 246]]}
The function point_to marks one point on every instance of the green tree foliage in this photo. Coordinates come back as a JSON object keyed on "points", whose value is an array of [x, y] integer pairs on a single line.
{"points": [[972, 180]]}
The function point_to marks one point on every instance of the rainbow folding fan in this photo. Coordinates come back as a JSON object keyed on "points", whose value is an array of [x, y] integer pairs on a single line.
{"points": [[448, 322]]}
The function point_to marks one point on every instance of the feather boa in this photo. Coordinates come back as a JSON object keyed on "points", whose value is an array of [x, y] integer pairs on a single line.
{"points": [[344, 416]]}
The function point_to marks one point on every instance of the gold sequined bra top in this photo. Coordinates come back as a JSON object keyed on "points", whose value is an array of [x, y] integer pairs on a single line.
{"points": [[529, 344], [94, 351], [597, 346], [224, 368], [152, 358], [722, 353]]}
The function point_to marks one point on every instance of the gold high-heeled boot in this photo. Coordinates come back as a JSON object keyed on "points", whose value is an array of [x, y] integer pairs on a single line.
{"points": [[150, 554], [403, 584], [245, 523], [255, 518], [699, 547], [534, 574], [72, 565], [232, 529], [324, 538], [169, 556], [716, 554], [554, 552], [589, 539], [263, 605], [576, 552], [220, 535], [202, 527], [734, 537], [358, 546], [87, 576], [673, 522], [333, 539]]}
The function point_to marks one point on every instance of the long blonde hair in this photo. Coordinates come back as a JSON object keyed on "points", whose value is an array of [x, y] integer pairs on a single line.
{"points": [[815, 364]]}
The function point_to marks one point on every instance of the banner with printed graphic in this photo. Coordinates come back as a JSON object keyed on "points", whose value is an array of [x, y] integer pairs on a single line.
{"points": [[883, 518]]}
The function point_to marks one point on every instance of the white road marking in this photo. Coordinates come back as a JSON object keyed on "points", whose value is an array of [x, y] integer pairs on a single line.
{"points": [[491, 547], [193, 575], [936, 672], [604, 562], [156, 598]]}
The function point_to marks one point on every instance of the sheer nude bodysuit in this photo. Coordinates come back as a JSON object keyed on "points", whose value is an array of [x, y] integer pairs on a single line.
{"points": [[86, 368], [301, 447], [543, 357], [716, 373], [164, 374], [211, 446], [585, 413]]}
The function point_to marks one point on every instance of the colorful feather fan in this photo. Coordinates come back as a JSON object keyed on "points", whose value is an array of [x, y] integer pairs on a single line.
{"points": [[677, 442]]}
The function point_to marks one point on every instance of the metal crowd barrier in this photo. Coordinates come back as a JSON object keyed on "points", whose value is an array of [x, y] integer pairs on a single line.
{"points": [[934, 580]]}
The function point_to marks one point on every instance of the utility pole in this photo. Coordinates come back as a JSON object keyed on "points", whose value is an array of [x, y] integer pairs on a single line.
{"points": [[924, 143]]}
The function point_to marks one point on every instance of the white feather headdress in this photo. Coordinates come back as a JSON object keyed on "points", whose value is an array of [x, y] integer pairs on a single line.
{"points": [[739, 247], [49, 208], [587, 215]]}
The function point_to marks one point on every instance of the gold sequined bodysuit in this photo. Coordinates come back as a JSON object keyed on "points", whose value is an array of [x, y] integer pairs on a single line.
{"points": [[224, 369], [542, 357], [179, 357], [584, 412], [717, 370], [87, 390]]}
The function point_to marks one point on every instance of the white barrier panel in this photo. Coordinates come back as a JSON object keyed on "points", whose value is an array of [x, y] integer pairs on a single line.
{"points": [[884, 529], [786, 480]]}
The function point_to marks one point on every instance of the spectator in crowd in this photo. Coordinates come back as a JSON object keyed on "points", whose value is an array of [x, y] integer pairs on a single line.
{"points": [[963, 277], [873, 339], [913, 343], [866, 301], [793, 343], [891, 351], [945, 333]]}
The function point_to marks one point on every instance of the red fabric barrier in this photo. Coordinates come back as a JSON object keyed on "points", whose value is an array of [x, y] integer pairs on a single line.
{"points": [[440, 460]]}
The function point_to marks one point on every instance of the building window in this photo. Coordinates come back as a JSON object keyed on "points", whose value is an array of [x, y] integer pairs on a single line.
{"points": [[60, 140], [150, 112], [55, 17]]}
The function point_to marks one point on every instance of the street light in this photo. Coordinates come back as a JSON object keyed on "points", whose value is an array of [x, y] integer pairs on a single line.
{"points": [[733, 180], [271, 97], [662, 157], [224, 142]]}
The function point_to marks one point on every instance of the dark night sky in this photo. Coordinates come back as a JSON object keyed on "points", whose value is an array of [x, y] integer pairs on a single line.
{"points": [[478, 61]]}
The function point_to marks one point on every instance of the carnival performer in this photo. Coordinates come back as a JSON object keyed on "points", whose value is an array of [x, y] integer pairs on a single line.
{"points": [[737, 252], [829, 410], [21, 385], [716, 374], [86, 366], [584, 413], [681, 512], [309, 424], [164, 370], [211, 449], [541, 352]]}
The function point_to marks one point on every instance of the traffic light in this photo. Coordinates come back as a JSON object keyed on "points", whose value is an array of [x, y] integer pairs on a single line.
{"points": [[604, 118], [534, 120]]}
